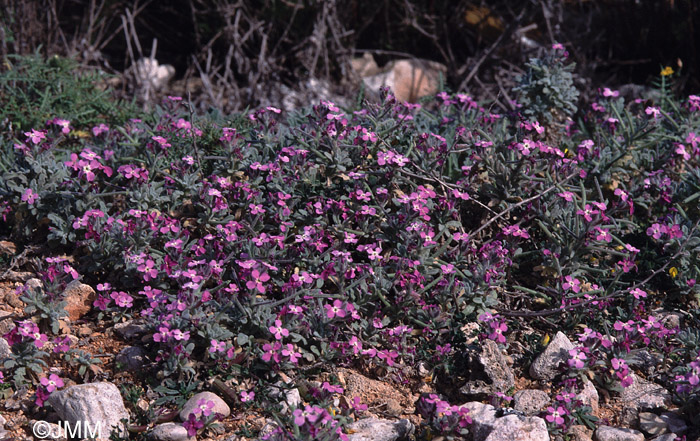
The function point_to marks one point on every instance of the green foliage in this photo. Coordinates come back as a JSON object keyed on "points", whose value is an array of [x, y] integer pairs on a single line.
{"points": [[34, 90], [546, 90]]}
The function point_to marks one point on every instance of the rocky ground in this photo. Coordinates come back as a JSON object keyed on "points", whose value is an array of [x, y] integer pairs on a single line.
{"points": [[642, 411]]}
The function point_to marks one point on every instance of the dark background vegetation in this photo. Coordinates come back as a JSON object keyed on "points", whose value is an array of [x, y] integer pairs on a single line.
{"points": [[231, 53]]}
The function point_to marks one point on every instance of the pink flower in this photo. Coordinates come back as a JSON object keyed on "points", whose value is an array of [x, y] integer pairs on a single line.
{"points": [[638, 293], [602, 235], [217, 346], [247, 396], [626, 265], [272, 352], [355, 344], [29, 196], [293, 355], [122, 299], [256, 209], [526, 146], [204, 407], [336, 310], [193, 424], [680, 150], [309, 414], [655, 112], [516, 231], [657, 230], [607, 92], [497, 331], [577, 358], [52, 383], [567, 195], [257, 281], [587, 212], [694, 102], [447, 268], [35, 136], [572, 284], [41, 396], [374, 253], [161, 141], [63, 123], [278, 331], [556, 415], [61, 345], [100, 129]]}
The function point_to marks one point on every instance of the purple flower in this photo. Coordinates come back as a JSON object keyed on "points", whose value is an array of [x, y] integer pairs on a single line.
{"points": [[293, 355], [193, 424], [310, 414], [336, 310], [257, 281], [204, 407], [278, 331], [587, 212], [247, 396], [572, 284], [52, 383], [122, 299], [35, 136], [29, 196], [577, 358], [638, 293], [556, 416], [497, 331]]}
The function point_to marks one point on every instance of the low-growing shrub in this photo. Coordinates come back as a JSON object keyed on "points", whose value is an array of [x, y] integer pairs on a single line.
{"points": [[373, 238]]}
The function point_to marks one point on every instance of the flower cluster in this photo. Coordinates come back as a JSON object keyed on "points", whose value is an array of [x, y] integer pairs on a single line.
{"points": [[440, 417]]}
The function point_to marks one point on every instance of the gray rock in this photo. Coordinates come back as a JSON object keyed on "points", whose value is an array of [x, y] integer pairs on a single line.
{"points": [[131, 329], [675, 423], [285, 396], [578, 432], [489, 372], [2, 421], [645, 395], [94, 403], [607, 433], [670, 320], [530, 401], [293, 397], [79, 298], [546, 365], [131, 357], [642, 395], [589, 396], [373, 429], [488, 427], [647, 362], [190, 406], [665, 437], [6, 322], [5, 350], [652, 424], [483, 417], [515, 427], [34, 284], [170, 432]]}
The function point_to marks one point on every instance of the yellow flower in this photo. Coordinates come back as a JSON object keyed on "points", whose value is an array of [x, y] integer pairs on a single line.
{"points": [[666, 71], [545, 340], [673, 271]]}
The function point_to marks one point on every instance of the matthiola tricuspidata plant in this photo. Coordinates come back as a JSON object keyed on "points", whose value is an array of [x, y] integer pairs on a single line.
{"points": [[259, 243]]}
